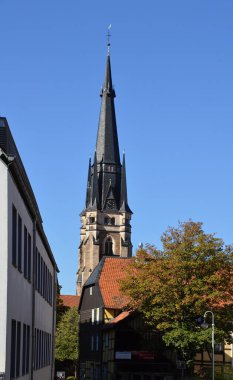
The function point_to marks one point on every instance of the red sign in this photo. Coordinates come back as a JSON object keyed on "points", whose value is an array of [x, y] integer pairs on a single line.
{"points": [[143, 355]]}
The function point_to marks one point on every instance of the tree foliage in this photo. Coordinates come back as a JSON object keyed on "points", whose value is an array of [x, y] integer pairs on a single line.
{"points": [[60, 307], [174, 286], [67, 336]]}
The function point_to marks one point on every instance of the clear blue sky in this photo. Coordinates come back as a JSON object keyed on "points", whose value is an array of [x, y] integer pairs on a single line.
{"points": [[172, 65]]}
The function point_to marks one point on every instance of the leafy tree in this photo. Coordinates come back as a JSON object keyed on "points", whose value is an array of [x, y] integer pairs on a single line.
{"points": [[67, 337], [174, 286], [60, 307]]}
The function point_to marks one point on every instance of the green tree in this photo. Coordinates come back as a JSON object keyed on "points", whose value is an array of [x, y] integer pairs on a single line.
{"points": [[67, 337], [174, 286], [60, 307]]}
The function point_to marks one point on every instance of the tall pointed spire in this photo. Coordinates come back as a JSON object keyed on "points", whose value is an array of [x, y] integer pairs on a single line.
{"points": [[107, 139], [95, 186], [107, 215], [124, 198], [88, 193]]}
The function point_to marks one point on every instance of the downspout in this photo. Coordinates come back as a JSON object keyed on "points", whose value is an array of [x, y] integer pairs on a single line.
{"points": [[33, 299]]}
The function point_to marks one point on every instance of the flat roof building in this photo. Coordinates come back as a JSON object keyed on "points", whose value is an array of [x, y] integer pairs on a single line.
{"points": [[28, 273]]}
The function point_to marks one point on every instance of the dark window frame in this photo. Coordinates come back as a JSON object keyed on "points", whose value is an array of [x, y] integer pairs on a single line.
{"points": [[14, 236]]}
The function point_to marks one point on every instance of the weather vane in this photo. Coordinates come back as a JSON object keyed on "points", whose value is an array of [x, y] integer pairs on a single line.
{"points": [[108, 37]]}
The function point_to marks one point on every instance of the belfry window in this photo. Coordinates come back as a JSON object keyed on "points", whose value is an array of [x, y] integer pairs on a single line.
{"points": [[108, 247], [109, 221]]}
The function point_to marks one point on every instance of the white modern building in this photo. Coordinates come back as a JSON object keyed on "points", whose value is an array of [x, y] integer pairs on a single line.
{"points": [[28, 274]]}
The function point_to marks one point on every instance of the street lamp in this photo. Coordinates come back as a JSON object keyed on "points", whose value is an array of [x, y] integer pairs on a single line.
{"points": [[205, 325]]}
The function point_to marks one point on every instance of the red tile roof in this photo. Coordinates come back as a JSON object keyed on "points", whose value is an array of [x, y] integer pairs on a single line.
{"points": [[112, 273], [70, 300]]}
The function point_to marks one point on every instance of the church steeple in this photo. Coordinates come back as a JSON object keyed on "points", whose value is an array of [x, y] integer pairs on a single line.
{"points": [[106, 217], [107, 147], [124, 197]]}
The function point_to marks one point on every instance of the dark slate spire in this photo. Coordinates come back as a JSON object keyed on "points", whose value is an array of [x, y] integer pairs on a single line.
{"points": [[124, 198], [107, 139], [95, 186], [88, 194]]}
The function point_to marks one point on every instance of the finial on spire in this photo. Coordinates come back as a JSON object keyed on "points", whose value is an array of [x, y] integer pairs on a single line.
{"points": [[108, 38]]}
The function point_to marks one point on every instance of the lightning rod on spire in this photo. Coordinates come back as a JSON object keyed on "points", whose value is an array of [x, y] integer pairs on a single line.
{"points": [[108, 38]]}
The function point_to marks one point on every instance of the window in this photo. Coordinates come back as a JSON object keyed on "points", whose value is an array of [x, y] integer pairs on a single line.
{"points": [[91, 219], [109, 221], [43, 278], [13, 347], [97, 343], [108, 247], [92, 343], [26, 349], [98, 373], [97, 315], [41, 275], [17, 372], [14, 235], [25, 266], [218, 348], [92, 316], [91, 291], [105, 372], [29, 255], [19, 243], [16, 239], [106, 340]]}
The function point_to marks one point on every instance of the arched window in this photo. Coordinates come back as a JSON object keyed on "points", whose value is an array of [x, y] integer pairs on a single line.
{"points": [[108, 247]]}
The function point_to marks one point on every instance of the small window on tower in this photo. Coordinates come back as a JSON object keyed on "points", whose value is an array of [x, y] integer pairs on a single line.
{"points": [[112, 221], [92, 219], [108, 247]]}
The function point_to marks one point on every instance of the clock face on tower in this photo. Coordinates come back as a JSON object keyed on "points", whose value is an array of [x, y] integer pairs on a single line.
{"points": [[110, 204]]}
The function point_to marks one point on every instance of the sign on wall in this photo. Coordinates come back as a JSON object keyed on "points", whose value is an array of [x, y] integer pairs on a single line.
{"points": [[61, 375]]}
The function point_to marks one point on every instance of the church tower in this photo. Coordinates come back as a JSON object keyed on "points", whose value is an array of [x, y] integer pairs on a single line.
{"points": [[105, 220]]}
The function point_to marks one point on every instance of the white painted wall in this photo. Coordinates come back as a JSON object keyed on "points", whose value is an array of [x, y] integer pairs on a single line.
{"points": [[19, 298], [3, 263], [15, 290]]}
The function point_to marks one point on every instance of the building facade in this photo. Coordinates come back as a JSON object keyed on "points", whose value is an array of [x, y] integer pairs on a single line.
{"points": [[105, 220], [114, 342], [28, 274], [100, 302]]}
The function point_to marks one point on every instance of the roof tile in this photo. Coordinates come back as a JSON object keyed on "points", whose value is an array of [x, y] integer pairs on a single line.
{"points": [[110, 281], [70, 300]]}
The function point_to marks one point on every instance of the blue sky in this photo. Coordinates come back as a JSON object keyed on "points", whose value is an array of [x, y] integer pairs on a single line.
{"points": [[172, 70]]}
